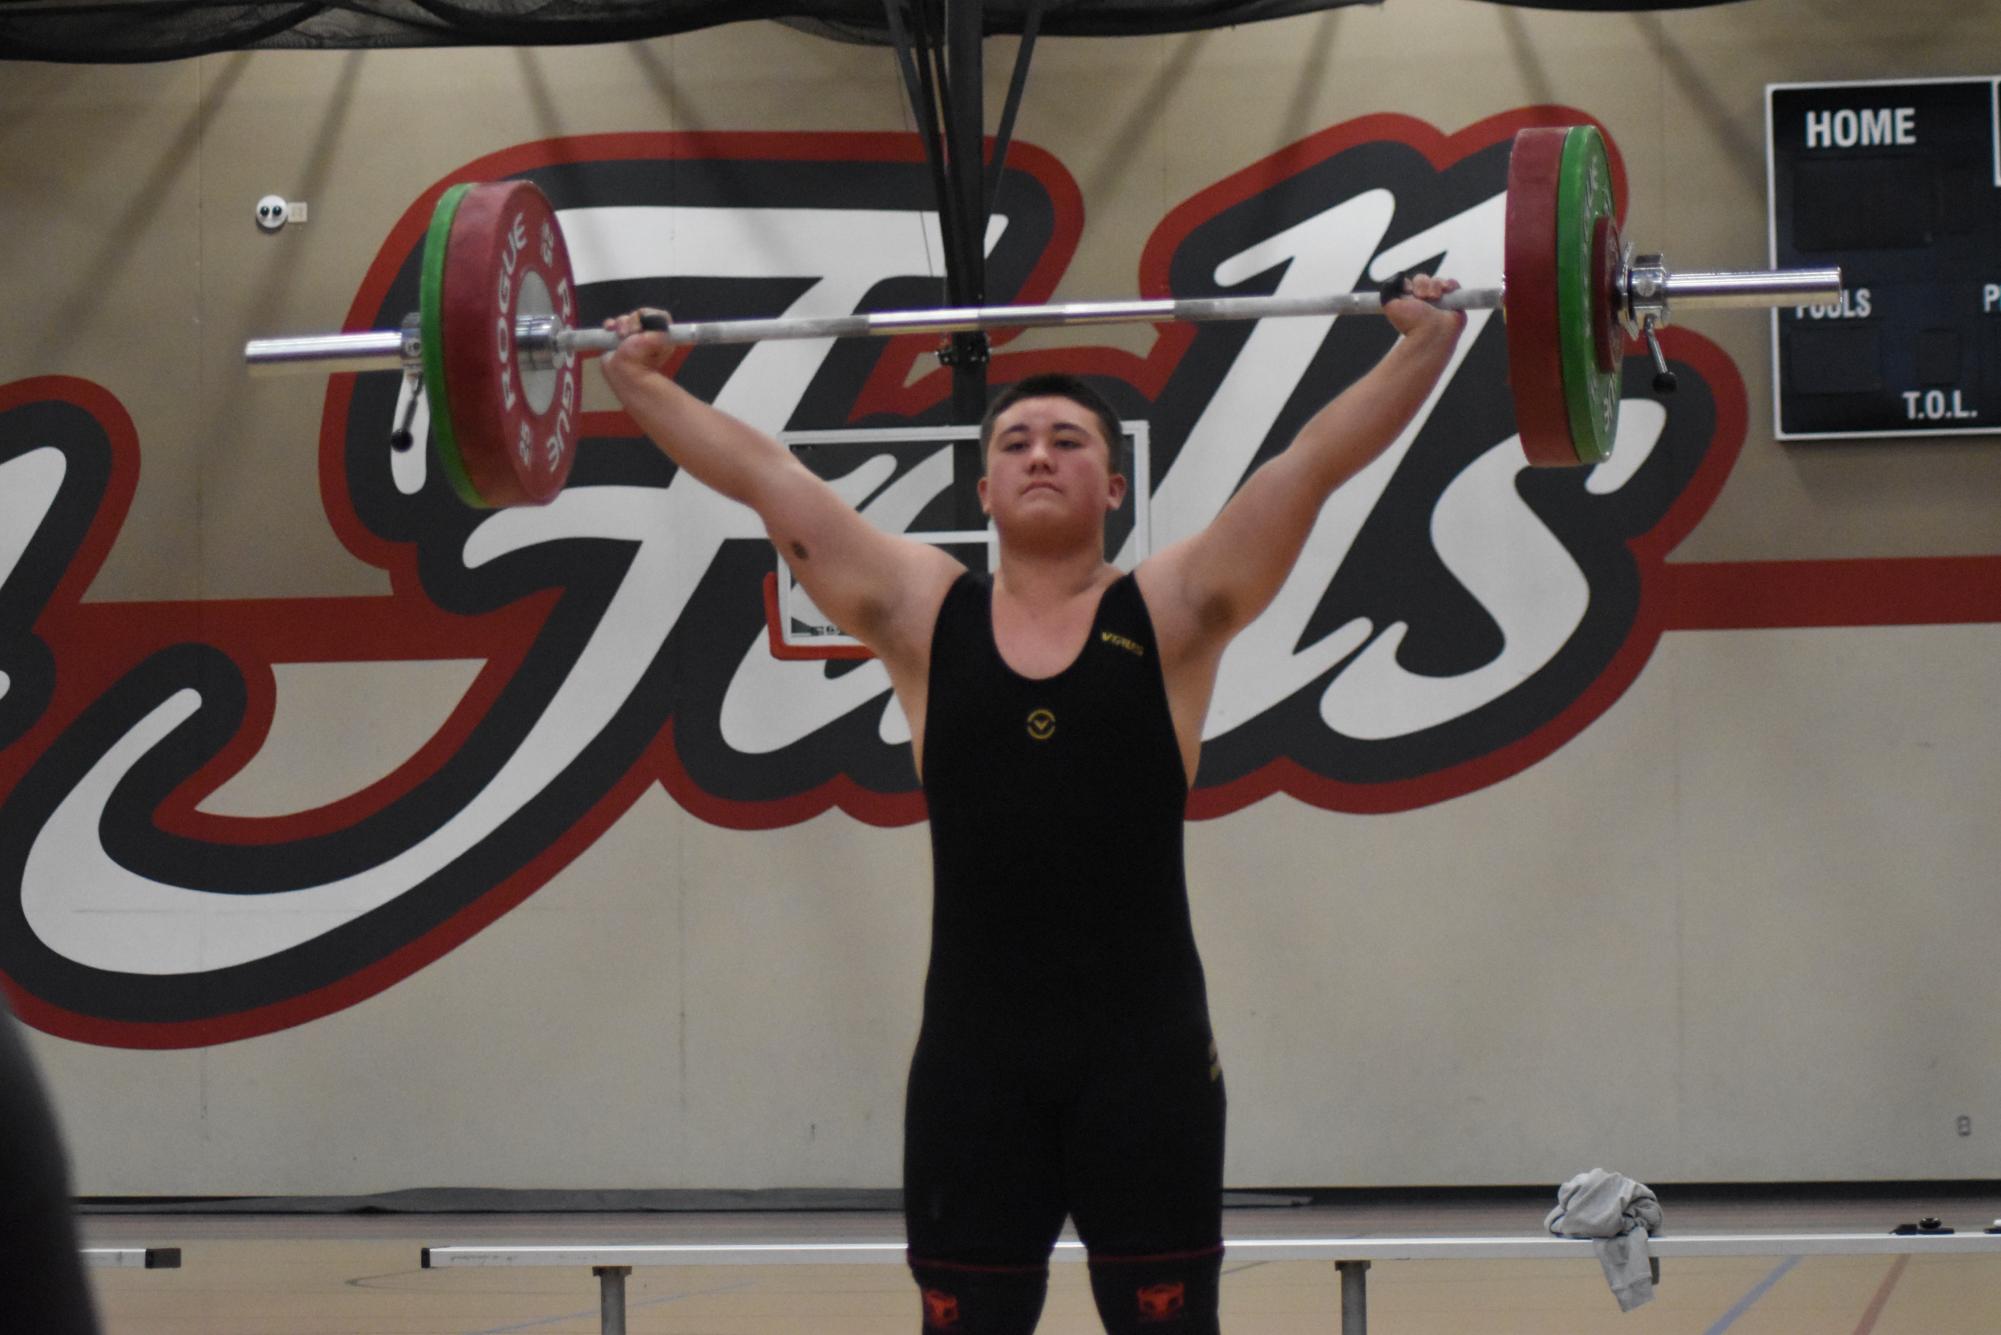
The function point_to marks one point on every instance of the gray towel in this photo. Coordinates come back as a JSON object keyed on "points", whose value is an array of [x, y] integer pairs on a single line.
{"points": [[1619, 1215]]}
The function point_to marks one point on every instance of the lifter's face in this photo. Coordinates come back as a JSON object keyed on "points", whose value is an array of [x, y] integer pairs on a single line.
{"points": [[1049, 468]]}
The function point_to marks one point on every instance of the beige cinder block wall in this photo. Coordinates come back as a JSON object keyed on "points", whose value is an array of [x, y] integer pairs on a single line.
{"points": [[1734, 929]]}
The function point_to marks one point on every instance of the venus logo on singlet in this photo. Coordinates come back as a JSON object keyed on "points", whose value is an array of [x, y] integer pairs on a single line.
{"points": [[1041, 724], [1453, 618]]}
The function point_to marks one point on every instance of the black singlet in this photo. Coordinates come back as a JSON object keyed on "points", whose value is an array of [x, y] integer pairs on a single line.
{"points": [[1056, 811], [1065, 1062]]}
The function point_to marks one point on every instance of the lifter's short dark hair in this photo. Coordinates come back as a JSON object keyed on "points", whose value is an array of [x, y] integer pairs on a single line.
{"points": [[1059, 385]]}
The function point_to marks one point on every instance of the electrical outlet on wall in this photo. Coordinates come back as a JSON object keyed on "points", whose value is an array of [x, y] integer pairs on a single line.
{"points": [[274, 211]]}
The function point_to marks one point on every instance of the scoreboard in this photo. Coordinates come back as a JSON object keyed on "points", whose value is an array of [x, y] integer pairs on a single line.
{"points": [[1900, 185]]}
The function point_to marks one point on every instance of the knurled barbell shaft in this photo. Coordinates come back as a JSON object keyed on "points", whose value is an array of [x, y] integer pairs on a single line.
{"points": [[967, 319], [386, 350], [377, 351]]}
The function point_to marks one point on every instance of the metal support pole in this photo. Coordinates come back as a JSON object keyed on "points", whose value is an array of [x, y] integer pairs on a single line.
{"points": [[965, 178], [611, 1297], [1031, 23], [1354, 1297]]}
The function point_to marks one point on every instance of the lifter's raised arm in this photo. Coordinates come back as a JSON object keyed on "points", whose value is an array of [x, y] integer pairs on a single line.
{"points": [[1213, 584], [878, 587]]}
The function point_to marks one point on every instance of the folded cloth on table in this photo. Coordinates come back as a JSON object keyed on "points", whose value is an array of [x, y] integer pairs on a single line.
{"points": [[1618, 1215]]}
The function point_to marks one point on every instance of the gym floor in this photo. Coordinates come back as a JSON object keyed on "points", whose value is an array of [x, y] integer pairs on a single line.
{"points": [[360, 1273]]}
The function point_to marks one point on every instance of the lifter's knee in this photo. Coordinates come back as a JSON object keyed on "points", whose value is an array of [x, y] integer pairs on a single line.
{"points": [[1158, 1295], [980, 1300]]}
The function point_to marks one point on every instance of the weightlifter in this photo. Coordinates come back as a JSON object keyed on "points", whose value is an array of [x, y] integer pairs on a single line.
{"points": [[1065, 1063]]}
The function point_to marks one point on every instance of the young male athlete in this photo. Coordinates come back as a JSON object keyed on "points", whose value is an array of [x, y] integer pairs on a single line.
{"points": [[1065, 1063]]}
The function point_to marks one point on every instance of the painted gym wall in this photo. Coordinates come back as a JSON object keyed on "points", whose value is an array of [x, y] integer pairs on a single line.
{"points": [[1726, 916]]}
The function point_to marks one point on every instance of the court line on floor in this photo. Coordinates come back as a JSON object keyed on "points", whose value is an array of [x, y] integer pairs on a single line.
{"points": [[630, 1307], [1759, 1290], [1876, 1304]]}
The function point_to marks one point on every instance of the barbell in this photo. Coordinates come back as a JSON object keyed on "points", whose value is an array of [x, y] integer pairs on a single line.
{"points": [[495, 350]]}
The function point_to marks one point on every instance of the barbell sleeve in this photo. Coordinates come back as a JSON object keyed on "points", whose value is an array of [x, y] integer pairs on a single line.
{"points": [[1759, 287], [375, 350]]}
